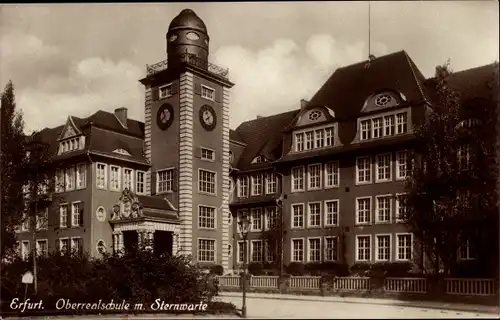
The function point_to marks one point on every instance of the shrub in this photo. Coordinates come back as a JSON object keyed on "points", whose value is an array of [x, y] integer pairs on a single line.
{"points": [[360, 269], [295, 269], [313, 268], [335, 268], [217, 269], [256, 268]]}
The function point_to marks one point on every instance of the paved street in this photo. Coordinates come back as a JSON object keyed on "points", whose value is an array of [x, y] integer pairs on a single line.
{"points": [[266, 307]]}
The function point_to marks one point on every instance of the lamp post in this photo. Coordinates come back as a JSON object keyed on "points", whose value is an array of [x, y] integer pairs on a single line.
{"points": [[244, 225]]}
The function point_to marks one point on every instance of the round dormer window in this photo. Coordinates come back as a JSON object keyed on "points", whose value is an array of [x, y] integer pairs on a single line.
{"points": [[382, 100], [314, 115], [192, 36]]}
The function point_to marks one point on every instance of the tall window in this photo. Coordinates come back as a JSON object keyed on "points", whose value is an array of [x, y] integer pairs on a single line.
{"points": [[64, 245], [297, 250], [257, 181], [42, 220], [332, 213], [139, 178], [63, 216], [329, 137], [314, 249], [41, 247], [271, 217], [315, 214], [465, 251], [365, 130], [241, 251], [401, 207], [76, 244], [332, 174], [331, 248], [114, 180], [207, 181], [309, 140], [127, 179], [76, 214], [363, 248], [314, 173], [164, 180], [25, 249], [269, 252], [363, 170], [256, 248], [383, 209], [101, 171], [319, 138], [389, 125], [256, 216], [363, 210], [383, 247], [377, 127], [70, 178], [299, 142], [402, 165], [206, 217], [298, 179], [271, 183], [314, 139], [59, 181], [383, 165], [404, 243], [298, 216], [401, 123], [243, 187], [81, 175], [206, 250]]}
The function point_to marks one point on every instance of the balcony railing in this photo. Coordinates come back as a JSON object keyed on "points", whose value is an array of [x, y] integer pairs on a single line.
{"points": [[191, 60]]}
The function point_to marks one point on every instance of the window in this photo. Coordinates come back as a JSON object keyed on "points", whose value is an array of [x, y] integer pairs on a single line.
{"points": [[377, 127], [269, 252], [25, 249], [299, 142], [363, 170], [319, 138], [383, 209], [76, 214], [101, 176], [365, 129], [315, 214], [75, 143], [271, 217], [164, 180], [41, 247], [402, 170], [70, 178], [259, 159], [257, 181], [114, 179], [206, 217], [256, 216], [206, 250], [465, 251], [332, 213], [76, 244], [329, 137], [139, 178], [271, 183], [331, 248], [64, 245], [363, 246], [256, 249], [298, 174], [297, 216], [363, 210], [165, 91], [314, 173], [383, 247], [127, 179], [206, 181], [241, 251], [383, 167], [42, 219], [207, 93], [81, 175], [314, 249], [59, 181], [463, 157], [243, 187], [63, 216], [389, 125], [207, 154], [297, 250], [401, 207], [309, 140], [332, 174], [404, 246], [401, 123]]}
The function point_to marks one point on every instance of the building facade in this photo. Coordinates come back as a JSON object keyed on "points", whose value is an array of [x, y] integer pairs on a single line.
{"points": [[330, 172]]}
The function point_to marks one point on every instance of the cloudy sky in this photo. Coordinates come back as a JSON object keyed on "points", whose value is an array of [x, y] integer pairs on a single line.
{"points": [[75, 59]]}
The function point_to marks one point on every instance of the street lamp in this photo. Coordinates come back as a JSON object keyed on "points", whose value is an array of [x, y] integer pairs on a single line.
{"points": [[244, 226]]}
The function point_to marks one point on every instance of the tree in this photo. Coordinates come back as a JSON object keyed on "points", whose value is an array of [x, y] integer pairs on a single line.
{"points": [[451, 200], [274, 238]]}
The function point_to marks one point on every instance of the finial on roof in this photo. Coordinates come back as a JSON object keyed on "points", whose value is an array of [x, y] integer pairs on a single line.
{"points": [[303, 103]]}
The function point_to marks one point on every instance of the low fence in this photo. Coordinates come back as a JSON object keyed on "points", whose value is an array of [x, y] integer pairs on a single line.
{"points": [[453, 286]]}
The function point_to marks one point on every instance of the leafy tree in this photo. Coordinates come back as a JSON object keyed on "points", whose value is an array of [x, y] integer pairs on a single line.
{"points": [[274, 237], [451, 197]]}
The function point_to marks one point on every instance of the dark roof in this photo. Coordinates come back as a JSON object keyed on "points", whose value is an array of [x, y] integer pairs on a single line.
{"points": [[155, 202], [107, 120], [235, 136], [263, 200], [473, 83], [263, 136]]}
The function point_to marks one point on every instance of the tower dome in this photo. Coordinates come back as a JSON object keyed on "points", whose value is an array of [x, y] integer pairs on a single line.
{"points": [[187, 36]]}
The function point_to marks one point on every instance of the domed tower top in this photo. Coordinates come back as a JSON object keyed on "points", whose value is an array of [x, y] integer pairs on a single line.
{"points": [[187, 36]]}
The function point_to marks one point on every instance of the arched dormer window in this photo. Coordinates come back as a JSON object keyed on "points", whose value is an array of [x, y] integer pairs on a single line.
{"points": [[382, 100], [259, 159], [122, 151]]}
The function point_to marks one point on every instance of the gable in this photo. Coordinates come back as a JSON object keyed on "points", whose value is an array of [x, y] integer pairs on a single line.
{"points": [[314, 115], [69, 130], [384, 99]]}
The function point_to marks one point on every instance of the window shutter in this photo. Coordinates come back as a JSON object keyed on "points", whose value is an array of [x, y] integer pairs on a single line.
{"points": [[175, 182], [174, 88], [198, 152], [197, 88], [218, 95], [82, 212], [155, 93]]}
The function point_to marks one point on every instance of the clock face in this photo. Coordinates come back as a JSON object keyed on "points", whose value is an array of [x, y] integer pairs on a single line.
{"points": [[208, 118], [172, 38], [165, 116]]}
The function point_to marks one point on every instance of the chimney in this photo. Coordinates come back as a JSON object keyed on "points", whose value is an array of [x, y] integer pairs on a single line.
{"points": [[121, 115], [303, 104], [259, 116]]}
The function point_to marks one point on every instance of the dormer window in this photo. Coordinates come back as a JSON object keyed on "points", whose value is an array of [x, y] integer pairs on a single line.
{"points": [[315, 115], [165, 91], [383, 126], [122, 151], [259, 159], [382, 100], [68, 145], [306, 140]]}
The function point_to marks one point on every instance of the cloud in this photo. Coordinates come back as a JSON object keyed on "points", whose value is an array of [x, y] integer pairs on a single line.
{"points": [[275, 78]]}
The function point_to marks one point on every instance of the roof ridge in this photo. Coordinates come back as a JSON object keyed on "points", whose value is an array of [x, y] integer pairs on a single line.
{"points": [[411, 65]]}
